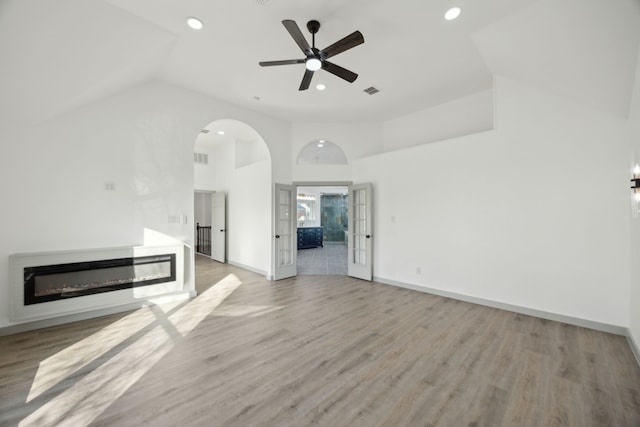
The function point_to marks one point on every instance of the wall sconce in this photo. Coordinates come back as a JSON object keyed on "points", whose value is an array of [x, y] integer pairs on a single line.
{"points": [[635, 182]]}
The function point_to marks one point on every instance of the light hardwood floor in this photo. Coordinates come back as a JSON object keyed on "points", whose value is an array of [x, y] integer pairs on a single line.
{"points": [[316, 350]]}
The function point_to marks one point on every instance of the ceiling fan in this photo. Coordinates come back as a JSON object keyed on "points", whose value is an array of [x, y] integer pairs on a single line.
{"points": [[316, 59]]}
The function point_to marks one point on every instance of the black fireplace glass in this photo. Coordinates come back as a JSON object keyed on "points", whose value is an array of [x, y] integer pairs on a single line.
{"points": [[63, 281]]}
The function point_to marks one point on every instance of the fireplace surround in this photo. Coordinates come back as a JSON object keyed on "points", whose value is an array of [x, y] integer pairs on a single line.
{"points": [[51, 284]]}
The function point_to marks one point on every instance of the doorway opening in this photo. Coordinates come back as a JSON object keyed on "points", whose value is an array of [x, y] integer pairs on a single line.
{"points": [[322, 229], [232, 189], [202, 212], [210, 224]]}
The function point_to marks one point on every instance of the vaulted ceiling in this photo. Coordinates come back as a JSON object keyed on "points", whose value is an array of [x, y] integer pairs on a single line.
{"points": [[58, 55]]}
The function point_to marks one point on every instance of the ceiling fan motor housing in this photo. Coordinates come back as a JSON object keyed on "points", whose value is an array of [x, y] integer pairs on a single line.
{"points": [[313, 26]]}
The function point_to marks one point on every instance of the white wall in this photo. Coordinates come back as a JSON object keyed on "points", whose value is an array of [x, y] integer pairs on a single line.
{"points": [[250, 151], [533, 214], [204, 176], [52, 174], [249, 219], [468, 115], [634, 297]]}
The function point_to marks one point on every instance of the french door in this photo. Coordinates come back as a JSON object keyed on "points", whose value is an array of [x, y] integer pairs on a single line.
{"points": [[284, 231], [359, 243]]}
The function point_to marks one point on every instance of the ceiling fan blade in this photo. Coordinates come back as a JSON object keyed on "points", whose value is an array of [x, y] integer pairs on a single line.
{"points": [[306, 80], [337, 70], [295, 32], [285, 62], [352, 40]]}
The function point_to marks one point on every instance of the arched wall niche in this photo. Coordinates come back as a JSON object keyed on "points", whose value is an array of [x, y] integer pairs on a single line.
{"points": [[321, 152]]}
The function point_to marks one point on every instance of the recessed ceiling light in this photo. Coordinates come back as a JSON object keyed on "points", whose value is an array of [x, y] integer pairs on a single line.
{"points": [[220, 132], [320, 86], [195, 23], [452, 13], [320, 144]]}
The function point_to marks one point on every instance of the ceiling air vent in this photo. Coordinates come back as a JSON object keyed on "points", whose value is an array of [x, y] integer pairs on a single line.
{"points": [[201, 158], [264, 3], [371, 90]]}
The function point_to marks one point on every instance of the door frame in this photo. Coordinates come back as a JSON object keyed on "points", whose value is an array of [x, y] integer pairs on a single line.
{"points": [[346, 184], [295, 185]]}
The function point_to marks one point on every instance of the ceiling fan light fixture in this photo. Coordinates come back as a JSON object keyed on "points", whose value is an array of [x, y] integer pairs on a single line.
{"points": [[316, 59], [313, 64], [452, 13], [194, 23]]}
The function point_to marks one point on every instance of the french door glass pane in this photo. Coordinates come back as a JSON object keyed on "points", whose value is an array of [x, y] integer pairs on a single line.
{"points": [[359, 256], [284, 228], [285, 251]]}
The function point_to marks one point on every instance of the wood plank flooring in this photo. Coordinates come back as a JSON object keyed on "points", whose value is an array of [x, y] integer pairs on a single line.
{"points": [[316, 350]]}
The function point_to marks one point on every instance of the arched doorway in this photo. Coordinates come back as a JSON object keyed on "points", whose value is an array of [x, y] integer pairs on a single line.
{"points": [[231, 157]]}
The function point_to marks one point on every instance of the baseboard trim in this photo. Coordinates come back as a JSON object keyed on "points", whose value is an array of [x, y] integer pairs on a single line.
{"points": [[591, 324], [635, 348], [76, 317], [247, 267]]}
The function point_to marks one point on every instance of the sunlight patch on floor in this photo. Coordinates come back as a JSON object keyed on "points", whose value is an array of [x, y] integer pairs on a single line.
{"points": [[167, 307], [64, 363], [185, 320], [83, 401]]}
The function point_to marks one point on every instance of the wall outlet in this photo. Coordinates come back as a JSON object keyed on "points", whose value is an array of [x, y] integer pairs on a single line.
{"points": [[110, 186], [174, 219]]}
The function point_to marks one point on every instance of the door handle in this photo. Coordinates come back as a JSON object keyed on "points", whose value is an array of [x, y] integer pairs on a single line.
{"points": [[277, 236], [368, 236], [221, 230]]}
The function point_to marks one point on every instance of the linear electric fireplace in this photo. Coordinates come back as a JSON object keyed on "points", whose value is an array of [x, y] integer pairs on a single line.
{"points": [[44, 285], [61, 281]]}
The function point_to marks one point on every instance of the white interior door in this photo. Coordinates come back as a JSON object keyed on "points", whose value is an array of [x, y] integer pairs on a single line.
{"points": [[359, 243], [284, 227], [218, 226]]}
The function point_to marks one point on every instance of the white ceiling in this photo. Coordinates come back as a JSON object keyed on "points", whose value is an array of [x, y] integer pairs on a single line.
{"points": [[60, 55]]}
